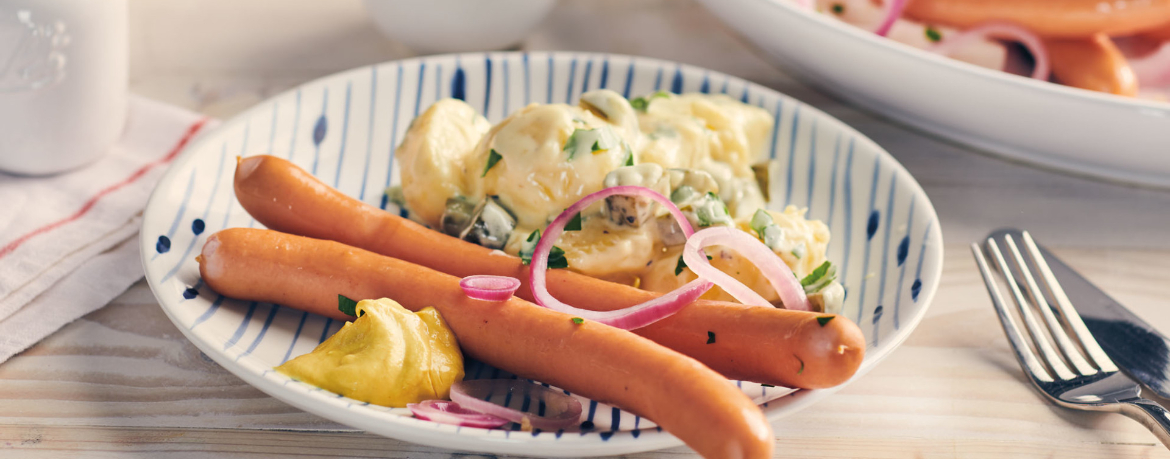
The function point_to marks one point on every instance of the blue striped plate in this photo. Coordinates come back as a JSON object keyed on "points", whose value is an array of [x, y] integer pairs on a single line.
{"points": [[344, 129]]}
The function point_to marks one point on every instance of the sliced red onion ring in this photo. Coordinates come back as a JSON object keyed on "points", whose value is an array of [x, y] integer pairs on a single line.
{"points": [[770, 265], [444, 412], [629, 318], [1005, 30], [489, 288], [547, 409], [893, 12]]}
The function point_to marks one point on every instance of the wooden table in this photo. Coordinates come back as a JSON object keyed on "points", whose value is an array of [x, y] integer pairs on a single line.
{"points": [[124, 382]]}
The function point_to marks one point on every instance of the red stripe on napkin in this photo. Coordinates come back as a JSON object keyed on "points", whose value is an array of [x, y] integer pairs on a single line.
{"points": [[191, 131]]}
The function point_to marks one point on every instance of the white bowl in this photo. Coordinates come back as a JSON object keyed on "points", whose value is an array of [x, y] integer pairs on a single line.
{"points": [[1071, 129], [445, 26], [344, 128]]}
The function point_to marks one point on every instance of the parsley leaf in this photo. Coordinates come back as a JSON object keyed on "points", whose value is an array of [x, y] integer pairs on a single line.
{"points": [[528, 247], [578, 320], [710, 337], [821, 277], [556, 258], [630, 159], [824, 320], [933, 34], [679, 267], [493, 158], [571, 144], [574, 224], [346, 305], [838, 8]]}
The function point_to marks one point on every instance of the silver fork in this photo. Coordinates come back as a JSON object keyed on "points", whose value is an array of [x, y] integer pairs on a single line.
{"points": [[1092, 382]]}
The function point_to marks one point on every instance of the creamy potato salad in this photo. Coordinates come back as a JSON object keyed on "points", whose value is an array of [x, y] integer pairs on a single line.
{"points": [[500, 186]]}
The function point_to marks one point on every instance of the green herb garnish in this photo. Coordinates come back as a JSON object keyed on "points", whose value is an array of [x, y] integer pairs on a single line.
{"points": [[766, 385], [642, 103], [578, 320], [838, 8], [493, 158], [682, 194], [574, 224], [556, 258], [639, 103], [824, 320], [821, 277], [710, 337], [592, 140], [346, 305], [679, 267], [801, 370], [713, 211], [761, 220], [528, 247], [571, 144], [933, 34], [799, 251], [630, 159]]}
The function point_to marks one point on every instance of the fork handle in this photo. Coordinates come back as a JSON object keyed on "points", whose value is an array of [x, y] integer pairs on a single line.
{"points": [[1151, 415]]}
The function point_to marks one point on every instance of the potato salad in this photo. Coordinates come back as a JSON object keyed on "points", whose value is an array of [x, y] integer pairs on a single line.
{"points": [[500, 186]]}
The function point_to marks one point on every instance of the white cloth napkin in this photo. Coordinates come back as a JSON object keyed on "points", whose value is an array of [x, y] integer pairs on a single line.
{"points": [[68, 243]]}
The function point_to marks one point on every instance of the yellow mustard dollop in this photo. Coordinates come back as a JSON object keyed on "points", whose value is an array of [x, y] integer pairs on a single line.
{"points": [[388, 356]]}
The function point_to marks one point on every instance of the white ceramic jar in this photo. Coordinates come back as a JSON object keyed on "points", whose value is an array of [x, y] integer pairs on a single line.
{"points": [[63, 82]]}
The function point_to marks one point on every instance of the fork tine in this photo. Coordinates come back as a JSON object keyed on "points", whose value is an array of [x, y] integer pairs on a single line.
{"points": [[1070, 351], [1094, 350], [1024, 354], [1046, 350]]}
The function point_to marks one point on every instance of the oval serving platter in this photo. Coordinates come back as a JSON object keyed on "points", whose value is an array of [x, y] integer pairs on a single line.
{"points": [[344, 129]]}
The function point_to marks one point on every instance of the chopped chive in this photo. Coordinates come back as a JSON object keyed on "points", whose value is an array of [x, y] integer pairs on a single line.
{"points": [[642, 103], [801, 370], [346, 305], [493, 158], [639, 103], [816, 275], [578, 320], [574, 224], [824, 320], [710, 337]]}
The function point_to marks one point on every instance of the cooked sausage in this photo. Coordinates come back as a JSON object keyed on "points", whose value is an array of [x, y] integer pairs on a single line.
{"points": [[1092, 63], [766, 345], [1048, 18], [687, 399]]}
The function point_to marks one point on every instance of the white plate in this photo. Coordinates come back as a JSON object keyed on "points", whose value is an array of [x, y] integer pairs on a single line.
{"points": [[344, 128], [1075, 130]]}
